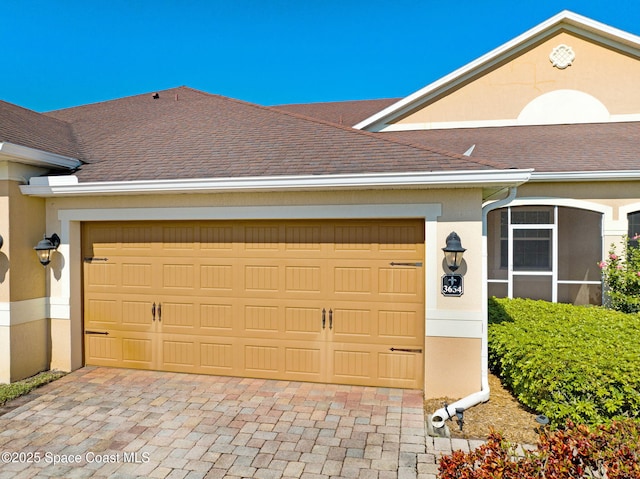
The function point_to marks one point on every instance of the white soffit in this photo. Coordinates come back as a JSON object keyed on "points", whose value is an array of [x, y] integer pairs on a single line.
{"points": [[573, 22], [69, 186]]}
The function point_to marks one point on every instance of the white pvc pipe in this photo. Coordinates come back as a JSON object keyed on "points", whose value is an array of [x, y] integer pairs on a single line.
{"points": [[439, 417]]}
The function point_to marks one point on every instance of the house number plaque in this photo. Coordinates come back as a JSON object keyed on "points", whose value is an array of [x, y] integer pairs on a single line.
{"points": [[452, 285]]}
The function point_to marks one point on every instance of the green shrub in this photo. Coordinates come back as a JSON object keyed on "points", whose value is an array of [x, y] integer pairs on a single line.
{"points": [[20, 388], [611, 451], [567, 362], [621, 277]]}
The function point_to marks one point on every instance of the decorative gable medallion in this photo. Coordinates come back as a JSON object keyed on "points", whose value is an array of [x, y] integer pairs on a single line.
{"points": [[562, 56]]}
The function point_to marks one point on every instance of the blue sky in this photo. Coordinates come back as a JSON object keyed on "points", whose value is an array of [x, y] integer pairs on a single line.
{"points": [[58, 54]]}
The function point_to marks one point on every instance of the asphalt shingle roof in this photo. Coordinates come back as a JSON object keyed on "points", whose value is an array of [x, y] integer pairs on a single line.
{"points": [[185, 133], [346, 113], [547, 148], [34, 130]]}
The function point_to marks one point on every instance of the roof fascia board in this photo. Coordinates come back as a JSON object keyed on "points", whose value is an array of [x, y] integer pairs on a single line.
{"points": [[570, 176], [601, 32], [578, 24], [452, 125], [35, 157], [69, 186]]}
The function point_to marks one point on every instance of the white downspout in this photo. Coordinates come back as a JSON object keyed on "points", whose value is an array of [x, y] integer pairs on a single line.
{"points": [[439, 417]]}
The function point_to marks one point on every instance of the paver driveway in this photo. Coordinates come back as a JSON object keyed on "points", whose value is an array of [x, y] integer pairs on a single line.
{"points": [[123, 423]]}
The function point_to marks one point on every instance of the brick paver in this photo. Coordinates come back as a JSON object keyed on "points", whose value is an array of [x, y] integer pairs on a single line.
{"points": [[123, 423]]}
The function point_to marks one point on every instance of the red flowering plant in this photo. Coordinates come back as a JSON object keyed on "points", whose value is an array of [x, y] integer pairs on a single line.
{"points": [[621, 276]]}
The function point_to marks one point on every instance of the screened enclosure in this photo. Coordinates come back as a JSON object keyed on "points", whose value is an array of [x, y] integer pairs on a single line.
{"points": [[545, 252]]}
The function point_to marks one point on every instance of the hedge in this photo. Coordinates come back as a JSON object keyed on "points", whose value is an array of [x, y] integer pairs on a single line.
{"points": [[567, 362], [608, 451]]}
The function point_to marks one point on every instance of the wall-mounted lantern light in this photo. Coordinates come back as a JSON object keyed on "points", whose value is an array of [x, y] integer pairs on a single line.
{"points": [[453, 251], [45, 247]]}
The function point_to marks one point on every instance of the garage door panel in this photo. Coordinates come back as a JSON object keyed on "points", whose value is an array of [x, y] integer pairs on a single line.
{"points": [[262, 359], [136, 275], [137, 350], [179, 237], [354, 324], [136, 314], [303, 279], [216, 318], [217, 277], [399, 327], [397, 238], [354, 237], [178, 315], [190, 353], [304, 238], [399, 281], [217, 357], [217, 238], [263, 237], [102, 276], [368, 323], [128, 349], [284, 359], [399, 369], [354, 280], [107, 313], [179, 352], [261, 320], [303, 322], [303, 362], [178, 276], [270, 319], [375, 366], [352, 365], [263, 278], [103, 350], [137, 237], [102, 311]]}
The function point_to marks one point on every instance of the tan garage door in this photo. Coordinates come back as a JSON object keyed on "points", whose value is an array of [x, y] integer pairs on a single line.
{"points": [[338, 302]]}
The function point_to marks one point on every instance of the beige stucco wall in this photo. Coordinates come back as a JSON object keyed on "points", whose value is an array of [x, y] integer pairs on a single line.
{"points": [[27, 220], [30, 348], [452, 367], [460, 212], [24, 328], [503, 92], [5, 354], [5, 285]]}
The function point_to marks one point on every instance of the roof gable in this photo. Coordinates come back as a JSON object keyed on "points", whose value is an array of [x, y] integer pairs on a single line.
{"points": [[505, 87], [185, 133]]}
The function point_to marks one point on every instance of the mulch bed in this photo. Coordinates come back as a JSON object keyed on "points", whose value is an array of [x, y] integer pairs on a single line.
{"points": [[502, 412]]}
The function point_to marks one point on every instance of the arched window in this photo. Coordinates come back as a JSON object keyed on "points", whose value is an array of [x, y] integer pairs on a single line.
{"points": [[545, 252]]}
